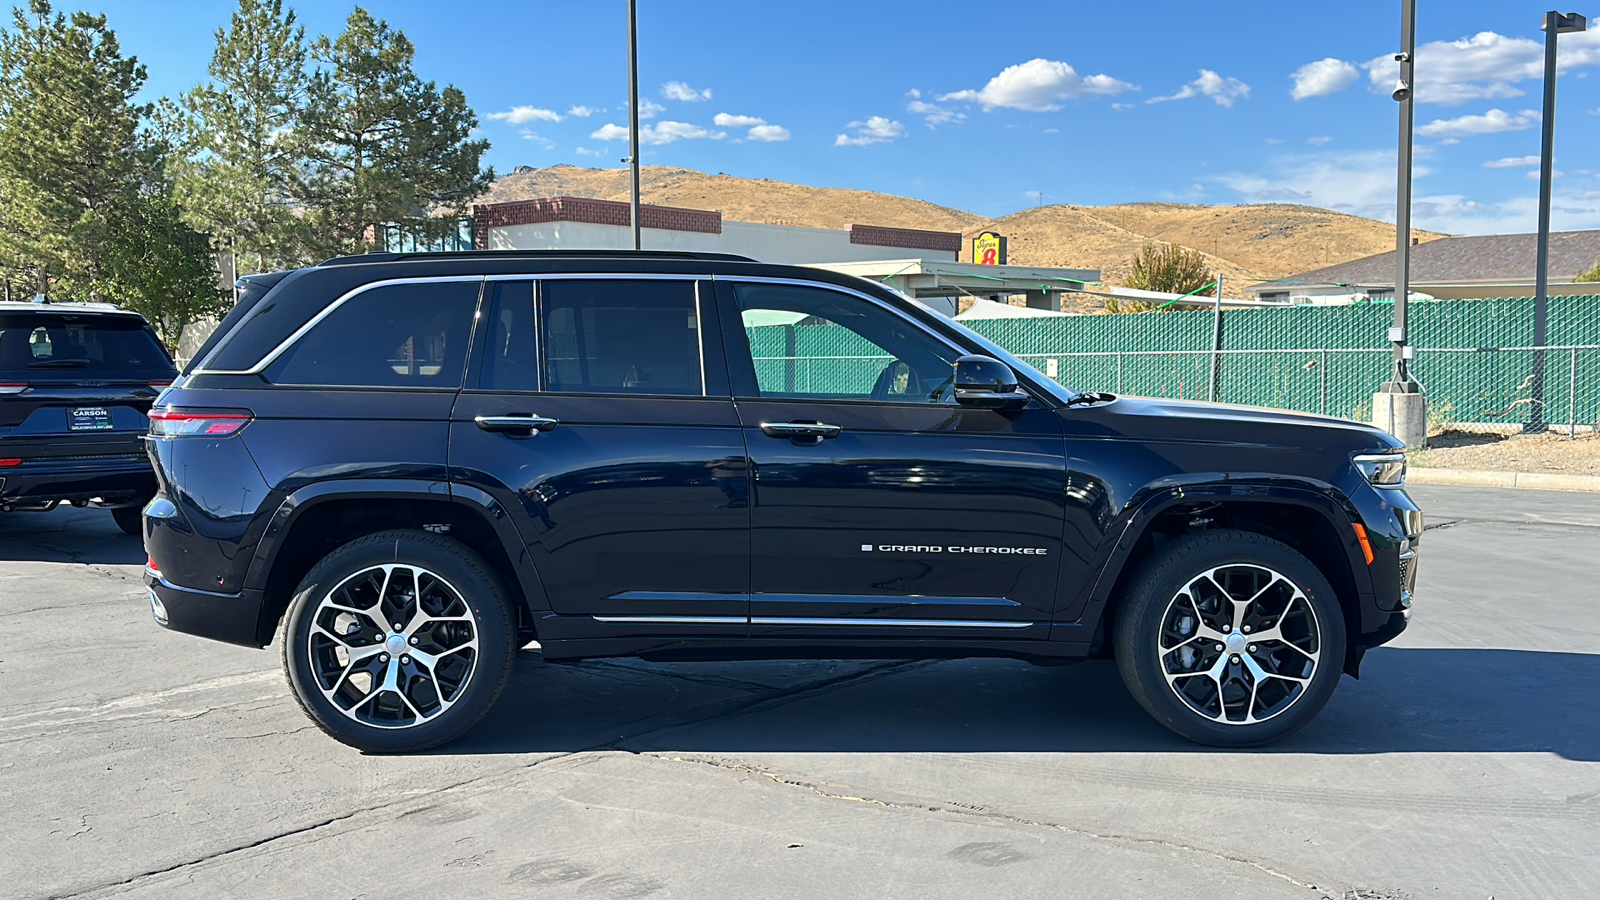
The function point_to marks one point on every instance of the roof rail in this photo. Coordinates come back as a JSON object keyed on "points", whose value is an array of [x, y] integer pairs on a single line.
{"points": [[386, 257]]}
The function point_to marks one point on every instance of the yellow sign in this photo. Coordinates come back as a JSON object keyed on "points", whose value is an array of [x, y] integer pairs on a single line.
{"points": [[989, 249]]}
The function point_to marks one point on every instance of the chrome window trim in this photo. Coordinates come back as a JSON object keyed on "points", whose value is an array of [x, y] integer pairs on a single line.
{"points": [[843, 623], [674, 620], [311, 323]]}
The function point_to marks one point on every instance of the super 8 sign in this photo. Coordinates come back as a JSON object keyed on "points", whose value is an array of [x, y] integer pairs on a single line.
{"points": [[989, 249]]}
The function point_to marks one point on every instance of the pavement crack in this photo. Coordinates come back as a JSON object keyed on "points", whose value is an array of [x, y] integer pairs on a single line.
{"points": [[917, 806]]}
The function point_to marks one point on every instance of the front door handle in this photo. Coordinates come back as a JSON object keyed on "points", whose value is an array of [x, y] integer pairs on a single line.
{"points": [[800, 430], [521, 424]]}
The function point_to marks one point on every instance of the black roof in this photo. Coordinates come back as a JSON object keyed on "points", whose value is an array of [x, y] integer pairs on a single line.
{"points": [[446, 256]]}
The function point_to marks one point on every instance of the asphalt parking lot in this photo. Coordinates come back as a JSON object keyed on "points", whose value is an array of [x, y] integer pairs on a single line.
{"points": [[1465, 763]]}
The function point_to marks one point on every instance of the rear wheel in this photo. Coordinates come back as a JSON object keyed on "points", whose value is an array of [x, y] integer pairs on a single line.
{"points": [[399, 641], [1230, 638], [130, 519]]}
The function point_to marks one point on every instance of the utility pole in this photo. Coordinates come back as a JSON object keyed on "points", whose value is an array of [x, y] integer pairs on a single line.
{"points": [[1554, 24], [633, 118], [1400, 407]]}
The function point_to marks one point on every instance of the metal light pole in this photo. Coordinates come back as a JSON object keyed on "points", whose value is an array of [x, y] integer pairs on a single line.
{"points": [[1401, 381], [1400, 407], [1554, 24], [633, 118]]}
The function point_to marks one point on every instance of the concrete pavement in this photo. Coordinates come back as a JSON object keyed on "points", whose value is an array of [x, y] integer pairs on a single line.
{"points": [[1465, 763]]}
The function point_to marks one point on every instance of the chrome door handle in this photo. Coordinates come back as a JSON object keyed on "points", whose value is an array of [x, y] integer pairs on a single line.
{"points": [[525, 424], [800, 430]]}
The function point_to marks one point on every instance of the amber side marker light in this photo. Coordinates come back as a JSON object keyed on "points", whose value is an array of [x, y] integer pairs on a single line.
{"points": [[1366, 545]]}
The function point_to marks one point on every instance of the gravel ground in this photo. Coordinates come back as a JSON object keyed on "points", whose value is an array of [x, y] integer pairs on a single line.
{"points": [[1552, 453]]}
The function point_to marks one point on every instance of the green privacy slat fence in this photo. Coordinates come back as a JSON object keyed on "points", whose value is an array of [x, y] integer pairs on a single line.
{"points": [[1324, 359]]}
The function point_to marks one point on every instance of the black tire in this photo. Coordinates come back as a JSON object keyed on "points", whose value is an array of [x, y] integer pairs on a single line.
{"points": [[1154, 631], [449, 576], [130, 519]]}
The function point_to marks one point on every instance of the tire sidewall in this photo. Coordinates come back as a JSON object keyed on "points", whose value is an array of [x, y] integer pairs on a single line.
{"points": [[467, 573], [1174, 567]]}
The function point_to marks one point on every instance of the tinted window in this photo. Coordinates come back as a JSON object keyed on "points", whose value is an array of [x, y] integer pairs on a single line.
{"points": [[510, 354], [811, 342], [34, 345], [401, 335], [631, 337]]}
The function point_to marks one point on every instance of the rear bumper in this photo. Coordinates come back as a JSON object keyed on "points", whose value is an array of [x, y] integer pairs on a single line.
{"points": [[230, 618], [118, 481]]}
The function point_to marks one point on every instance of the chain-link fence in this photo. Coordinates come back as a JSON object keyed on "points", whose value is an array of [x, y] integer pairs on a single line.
{"points": [[1476, 358]]}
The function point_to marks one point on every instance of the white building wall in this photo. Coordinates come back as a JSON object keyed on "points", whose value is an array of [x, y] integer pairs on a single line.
{"points": [[768, 243]]}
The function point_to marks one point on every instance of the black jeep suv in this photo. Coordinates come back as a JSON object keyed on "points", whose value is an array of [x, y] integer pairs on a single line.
{"points": [[420, 463], [76, 380]]}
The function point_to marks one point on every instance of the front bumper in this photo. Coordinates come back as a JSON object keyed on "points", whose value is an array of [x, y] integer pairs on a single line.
{"points": [[230, 618]]}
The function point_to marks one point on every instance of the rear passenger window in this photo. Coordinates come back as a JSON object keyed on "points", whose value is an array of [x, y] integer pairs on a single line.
{"points": [[510, 356], [621, 337], [400, 335]]}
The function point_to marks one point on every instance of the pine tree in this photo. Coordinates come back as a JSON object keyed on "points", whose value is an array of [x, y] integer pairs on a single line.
{"points": [[240, 160], [67, 146], [382, 145]]}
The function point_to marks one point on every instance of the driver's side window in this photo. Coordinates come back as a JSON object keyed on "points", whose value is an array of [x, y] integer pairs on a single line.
{"points": [[815, 343]]}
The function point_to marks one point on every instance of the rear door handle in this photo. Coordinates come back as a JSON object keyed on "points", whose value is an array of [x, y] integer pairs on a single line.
{"points": [[800, 430], [519, 424]]}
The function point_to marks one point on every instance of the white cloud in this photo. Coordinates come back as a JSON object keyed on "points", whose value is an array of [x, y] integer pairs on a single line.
{"points": [[585, 151], [768, 133], [1360, 183], [582, 112], [649, 109], [521, 115], [545, 143], [1319, 141], [876, 130], [725, 120], [1457, 214], [663, 132], [1223, 90], [677, 90], [1484, 66], [1323, 77], [1512, 162], [1037, 85], [1494, 121], [759, 130], [934, 114], [1535, 175]]}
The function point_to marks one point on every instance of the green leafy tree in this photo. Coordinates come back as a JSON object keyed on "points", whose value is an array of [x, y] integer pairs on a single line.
{"points": [[1590, 274], [161, 267], [1167, 268], [381, 145], [240, 163], [68, 128]]}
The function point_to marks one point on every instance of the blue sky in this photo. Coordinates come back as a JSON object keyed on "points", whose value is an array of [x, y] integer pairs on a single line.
{"points": [[985, 107]]}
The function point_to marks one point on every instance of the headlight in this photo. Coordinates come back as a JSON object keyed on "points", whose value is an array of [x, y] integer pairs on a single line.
{"points": [[1387, 469]]}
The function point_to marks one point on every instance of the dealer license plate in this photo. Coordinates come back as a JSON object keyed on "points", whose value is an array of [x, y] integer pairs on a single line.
{"points": [[89, 418]]}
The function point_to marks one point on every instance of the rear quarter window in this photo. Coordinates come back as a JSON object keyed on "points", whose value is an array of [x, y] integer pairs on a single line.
{"points": [[394, 336]]}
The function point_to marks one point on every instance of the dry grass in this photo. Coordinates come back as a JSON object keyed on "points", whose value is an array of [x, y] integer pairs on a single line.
{"points": [[1550, 453], [1246, 244]]}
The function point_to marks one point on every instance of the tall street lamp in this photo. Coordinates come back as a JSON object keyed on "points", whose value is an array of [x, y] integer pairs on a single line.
{"points": [[1555, 24], [633, 119], [1400, 407]]}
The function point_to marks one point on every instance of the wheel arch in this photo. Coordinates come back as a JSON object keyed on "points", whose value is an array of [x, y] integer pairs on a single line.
{"points": [[1304, 517], [311, 522]]}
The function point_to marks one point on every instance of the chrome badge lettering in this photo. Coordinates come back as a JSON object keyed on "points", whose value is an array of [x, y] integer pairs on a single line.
{"points": [[929, 548]]}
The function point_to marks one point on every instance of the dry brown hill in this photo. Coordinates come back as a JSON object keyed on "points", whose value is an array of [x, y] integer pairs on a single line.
{"points": [[1245, 243]]}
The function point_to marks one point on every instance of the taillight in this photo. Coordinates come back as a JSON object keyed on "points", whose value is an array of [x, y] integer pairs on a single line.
{"points": [[8, 463], [150, 563], [160, 384], [197, 423], [12, 387]]}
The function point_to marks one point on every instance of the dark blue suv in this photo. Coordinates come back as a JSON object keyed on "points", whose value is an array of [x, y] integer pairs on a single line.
{"points": [[420, 463], [76, 380]]}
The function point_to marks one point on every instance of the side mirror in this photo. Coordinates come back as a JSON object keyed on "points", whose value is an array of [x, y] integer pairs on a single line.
{"points": [[984, 382]]}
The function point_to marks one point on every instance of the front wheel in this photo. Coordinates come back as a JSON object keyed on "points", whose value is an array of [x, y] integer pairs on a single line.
{"points": [[1230, 638], [399, 641]]}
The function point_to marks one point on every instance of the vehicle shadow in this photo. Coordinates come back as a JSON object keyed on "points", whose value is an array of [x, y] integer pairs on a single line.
{"points": [[87, 536], [1409, 700]]}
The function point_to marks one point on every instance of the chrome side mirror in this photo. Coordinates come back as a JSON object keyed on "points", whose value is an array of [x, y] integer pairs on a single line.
{"points": [[984, 382]]}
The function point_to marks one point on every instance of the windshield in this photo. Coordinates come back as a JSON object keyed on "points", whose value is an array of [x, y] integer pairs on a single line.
{"points": [[36, 346]]}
